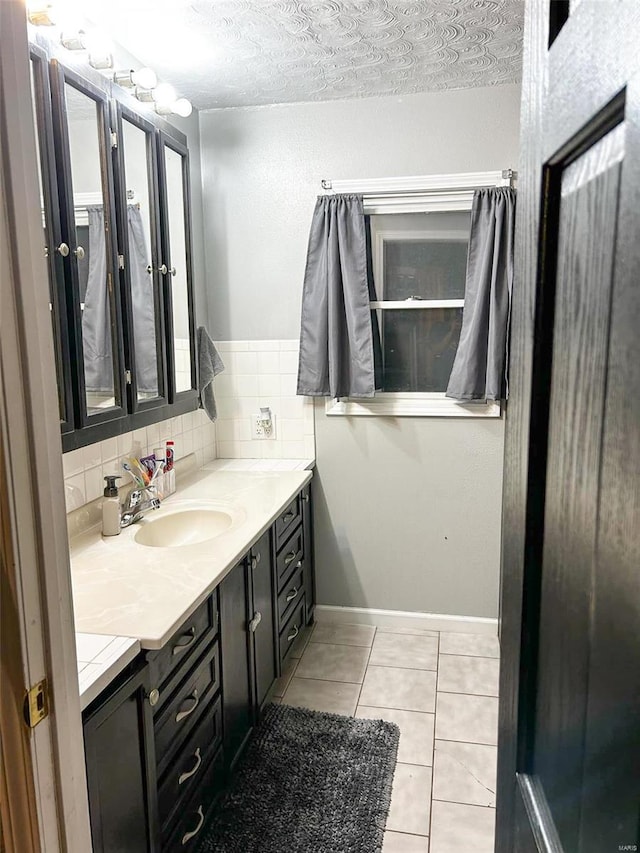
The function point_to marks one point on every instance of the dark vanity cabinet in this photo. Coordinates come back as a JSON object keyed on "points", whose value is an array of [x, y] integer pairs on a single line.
{"points": [[116, 209], [161, 741]]}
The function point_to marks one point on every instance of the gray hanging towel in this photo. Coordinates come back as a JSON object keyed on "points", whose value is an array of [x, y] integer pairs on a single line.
{"points": [[336, 339], [479, 368], [209, 365]]}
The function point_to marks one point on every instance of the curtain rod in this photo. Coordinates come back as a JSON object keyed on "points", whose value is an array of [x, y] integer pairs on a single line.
{"points": [[424, 183]]}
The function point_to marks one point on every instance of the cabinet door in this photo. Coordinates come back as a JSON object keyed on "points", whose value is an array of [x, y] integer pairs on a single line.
{"points": [[309, 564], [262, 621], [86, 193], [53, 247], [236, 675], [176, 268], [118, 739], [138, 215]]}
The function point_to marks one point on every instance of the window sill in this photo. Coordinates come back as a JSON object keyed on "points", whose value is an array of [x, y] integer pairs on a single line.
{"points": [[413, 405]]}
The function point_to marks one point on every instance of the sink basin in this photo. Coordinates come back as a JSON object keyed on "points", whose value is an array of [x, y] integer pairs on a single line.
{"points": [[187, 527]]}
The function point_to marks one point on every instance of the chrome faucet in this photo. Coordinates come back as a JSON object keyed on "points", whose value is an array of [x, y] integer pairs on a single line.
{"points": [[136, 505]]}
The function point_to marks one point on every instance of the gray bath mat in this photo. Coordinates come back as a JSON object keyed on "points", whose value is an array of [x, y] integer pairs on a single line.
{"points": [[308, 783]]}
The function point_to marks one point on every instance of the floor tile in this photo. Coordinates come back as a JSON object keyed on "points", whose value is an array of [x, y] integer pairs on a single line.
{"points": [[281, 684], [404, 689], [456, 827], [333, 663], [400, 842], [301, 642], [476, 645], [417, 631], [465, 773], [346, 635], [473, 719], [416, 732], [405, 650], [410, 800], [333, 697], [465, 674]]}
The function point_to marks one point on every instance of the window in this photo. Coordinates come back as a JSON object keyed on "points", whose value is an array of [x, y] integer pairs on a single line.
{"points": [[419, 229]]}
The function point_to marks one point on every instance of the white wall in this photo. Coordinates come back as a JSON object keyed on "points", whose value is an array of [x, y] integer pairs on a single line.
{"points": [[407, 510]]}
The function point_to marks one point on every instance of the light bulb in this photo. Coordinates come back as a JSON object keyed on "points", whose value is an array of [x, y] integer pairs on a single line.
{"points": [[182, 107], [145, 78], [164, 95]]}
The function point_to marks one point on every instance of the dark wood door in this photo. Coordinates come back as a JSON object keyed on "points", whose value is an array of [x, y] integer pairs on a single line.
{"points": [[569, 774], [120, 759], [237, 706], [262, 620]]}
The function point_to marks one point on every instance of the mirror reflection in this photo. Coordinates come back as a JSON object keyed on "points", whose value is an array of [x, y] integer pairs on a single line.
{"points": [[48, 247], [144, 296], [178, 271], [91, 250]]}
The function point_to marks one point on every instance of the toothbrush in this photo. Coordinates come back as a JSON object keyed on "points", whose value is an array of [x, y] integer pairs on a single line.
{"points": [[137, 479]]}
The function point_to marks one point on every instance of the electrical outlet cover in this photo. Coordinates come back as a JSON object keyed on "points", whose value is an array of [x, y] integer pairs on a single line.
{"points": [[258, 429]]}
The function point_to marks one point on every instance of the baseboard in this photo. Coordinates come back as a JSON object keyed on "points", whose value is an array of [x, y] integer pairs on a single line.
{"points": [[405, 619]]}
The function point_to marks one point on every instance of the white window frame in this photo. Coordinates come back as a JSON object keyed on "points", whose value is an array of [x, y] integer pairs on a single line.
{"points": [[421, 194]]}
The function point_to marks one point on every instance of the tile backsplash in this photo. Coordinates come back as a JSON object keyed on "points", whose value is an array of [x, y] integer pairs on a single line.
{"points": [[85, 469], [262, 373]]}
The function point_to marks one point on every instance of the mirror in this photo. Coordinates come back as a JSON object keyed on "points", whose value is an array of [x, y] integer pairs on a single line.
{"points": [[49, 237], [91, 248], [178, 271], [144, 292]]}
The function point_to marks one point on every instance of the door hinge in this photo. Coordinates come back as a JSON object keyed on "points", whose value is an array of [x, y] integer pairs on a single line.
{"points": [[36, 704], [127, 374], [121, 262], [114, 139]]}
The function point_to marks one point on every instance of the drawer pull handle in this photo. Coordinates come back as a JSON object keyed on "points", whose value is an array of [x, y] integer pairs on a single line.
{"points": [[189, 835], [293, 634], [257, 619], [182, 646], [287, 517], [184, 776], [196, 701], [291, 595], [305, 498], [289, 558]]}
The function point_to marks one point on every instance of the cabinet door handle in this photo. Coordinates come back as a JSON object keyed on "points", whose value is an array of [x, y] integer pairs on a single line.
{"points": [[290, 557], [257, 619], [305, 498], [293, 634], [63, 250], [173, 271], [291, 595], [196, 701], [163, 269], [189, 835], [189, 773], [286, 518], [79, 253], [182, 646]]}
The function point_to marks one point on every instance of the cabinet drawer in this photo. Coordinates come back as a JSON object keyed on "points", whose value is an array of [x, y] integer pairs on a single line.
{"points": [[187, 769], [289, 557], [287, 521], [186, 833], [291, 630], [185, 645], [291, 594], [185, 706]]}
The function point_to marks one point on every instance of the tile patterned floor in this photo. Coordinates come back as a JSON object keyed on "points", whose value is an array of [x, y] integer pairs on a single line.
{"points": [[441, 689]]}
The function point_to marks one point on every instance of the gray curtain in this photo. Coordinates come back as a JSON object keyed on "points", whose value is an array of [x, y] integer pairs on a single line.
{"points": [[479, 368], [143, 304], [96, 317], [336, 338]]}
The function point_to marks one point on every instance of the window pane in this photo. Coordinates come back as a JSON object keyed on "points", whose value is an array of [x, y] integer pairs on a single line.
{"points": [[420, 254], [419, 347]]}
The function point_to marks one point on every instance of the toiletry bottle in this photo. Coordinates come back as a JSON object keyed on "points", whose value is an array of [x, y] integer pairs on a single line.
{"points": [[170, 474], [111, 507]]}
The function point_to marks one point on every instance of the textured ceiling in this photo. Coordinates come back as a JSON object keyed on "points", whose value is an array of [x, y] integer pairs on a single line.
{"points": [[226, 53]]}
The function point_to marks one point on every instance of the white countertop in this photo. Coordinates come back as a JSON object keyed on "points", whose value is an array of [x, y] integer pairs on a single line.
{"points": [[100, 658], [127, 590]]}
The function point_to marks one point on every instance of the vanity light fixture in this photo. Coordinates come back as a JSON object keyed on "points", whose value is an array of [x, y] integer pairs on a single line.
{"points": [[73, 40], [182, 107], [143, 78], [164, 96], [101, 60], [42, 14]]}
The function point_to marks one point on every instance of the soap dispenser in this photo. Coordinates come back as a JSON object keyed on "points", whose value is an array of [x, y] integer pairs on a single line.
{"points": [[111, 507]]}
